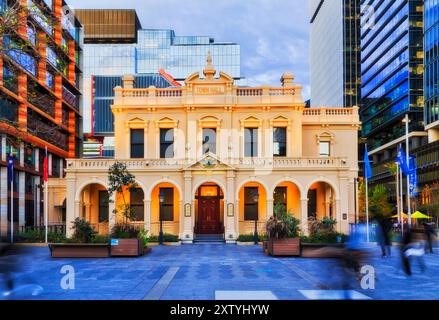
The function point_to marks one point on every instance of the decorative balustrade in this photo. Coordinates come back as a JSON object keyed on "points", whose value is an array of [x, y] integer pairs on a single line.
{"points": [[329, 112], [180, 164]]}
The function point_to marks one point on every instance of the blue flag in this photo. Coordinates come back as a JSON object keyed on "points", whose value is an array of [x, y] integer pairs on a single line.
{"points": [[11, 165], [402, 161], [367, 167], [413, 177]]}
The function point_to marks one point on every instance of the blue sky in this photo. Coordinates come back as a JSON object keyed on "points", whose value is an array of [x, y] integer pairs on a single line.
{"points": [[273, 34]]}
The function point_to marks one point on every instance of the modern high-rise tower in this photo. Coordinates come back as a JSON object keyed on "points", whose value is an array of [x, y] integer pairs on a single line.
{"points": [[335, 53], [391, 80]]}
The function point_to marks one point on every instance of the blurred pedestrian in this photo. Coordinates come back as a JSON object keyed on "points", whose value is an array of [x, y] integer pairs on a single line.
{"points": [[384, 237], [429, 233], [410, 250]]}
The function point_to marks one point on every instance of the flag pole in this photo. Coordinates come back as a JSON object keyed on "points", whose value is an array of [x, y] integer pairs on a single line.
{"points": [[367, 201], [407, 147], [398, 202], [401, 196]]}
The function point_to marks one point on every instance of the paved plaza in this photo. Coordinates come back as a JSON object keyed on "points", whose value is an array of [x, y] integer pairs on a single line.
{"points": [[210, 271]]}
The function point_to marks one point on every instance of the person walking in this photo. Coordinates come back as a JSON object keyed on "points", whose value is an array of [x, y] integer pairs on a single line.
{"points": [[429, 234], [410, 250], [384, 237]]}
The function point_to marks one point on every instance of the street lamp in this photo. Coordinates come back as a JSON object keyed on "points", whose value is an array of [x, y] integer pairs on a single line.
{"points": [[256, 200], [161, 199]]}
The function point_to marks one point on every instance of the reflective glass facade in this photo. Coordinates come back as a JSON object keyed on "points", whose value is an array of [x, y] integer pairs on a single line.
{"points": [[391, 69], [179, 56], [431, 61], [103, 98]]}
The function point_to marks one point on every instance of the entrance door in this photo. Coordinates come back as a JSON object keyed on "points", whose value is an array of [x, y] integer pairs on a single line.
{"points": [[209, 215]]}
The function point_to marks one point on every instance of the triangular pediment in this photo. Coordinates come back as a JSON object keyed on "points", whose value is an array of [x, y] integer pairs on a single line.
{"points": [[136, 119], [209, 162]]}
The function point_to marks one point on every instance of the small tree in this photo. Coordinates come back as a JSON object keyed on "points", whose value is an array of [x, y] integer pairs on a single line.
{"points": [[120, 180], [379, 205]]}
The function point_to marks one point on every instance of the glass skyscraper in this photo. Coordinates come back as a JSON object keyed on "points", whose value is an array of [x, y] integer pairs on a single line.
{"points": [[432, 68], [110, 51], [391, 70], [391, 79], [335, 53]]}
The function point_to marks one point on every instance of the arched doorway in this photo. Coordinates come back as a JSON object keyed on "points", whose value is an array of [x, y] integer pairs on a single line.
{"points": [[286, 196], [165, 207], [252, 208], [94, 207], [321, 201], [209, 210]]}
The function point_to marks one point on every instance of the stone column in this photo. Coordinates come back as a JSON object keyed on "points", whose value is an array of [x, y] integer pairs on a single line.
{"points": [[304, 215], [343, 205], [231, 230], [112, 214], [338, 214], [270, 209], [188, 233], [72, 205], [147, 216]]}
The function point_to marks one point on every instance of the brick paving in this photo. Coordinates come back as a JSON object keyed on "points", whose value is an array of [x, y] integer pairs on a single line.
{"points": [[200, 271]]}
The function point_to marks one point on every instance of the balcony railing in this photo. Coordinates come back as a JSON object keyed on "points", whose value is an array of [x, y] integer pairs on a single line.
{"points": [[180, 164]]}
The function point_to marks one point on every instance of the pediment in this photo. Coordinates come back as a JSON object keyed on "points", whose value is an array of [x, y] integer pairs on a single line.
{"points": [[209, 162]]}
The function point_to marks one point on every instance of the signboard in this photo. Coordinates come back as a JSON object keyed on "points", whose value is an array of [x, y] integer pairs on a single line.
{"points": [[114, 242], [210, 91]]}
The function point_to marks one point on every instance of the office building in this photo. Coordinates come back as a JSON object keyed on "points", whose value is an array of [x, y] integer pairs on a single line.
{"points": [[391, 81], [335, 53], [39, 105], [115, 44]]}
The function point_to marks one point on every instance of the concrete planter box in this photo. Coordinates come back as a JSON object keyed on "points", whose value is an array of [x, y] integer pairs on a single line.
{"points": [[126, 247], [284, 247], [79, 250]]}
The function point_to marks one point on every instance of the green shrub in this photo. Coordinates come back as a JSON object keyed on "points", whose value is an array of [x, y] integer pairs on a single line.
{"points": [[38, 236], [166, 238], [101, 239], [251, 238], [283, 224], [83, 232], [124, 231], [144, 236], [327, 238]]}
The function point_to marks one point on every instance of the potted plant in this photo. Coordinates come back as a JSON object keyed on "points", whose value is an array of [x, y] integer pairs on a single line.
{"points": [[85, 243], [125, 239], [283, 233], [144, 236]]}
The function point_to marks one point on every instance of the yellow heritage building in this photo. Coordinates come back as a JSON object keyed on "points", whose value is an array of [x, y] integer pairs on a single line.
{"points": [[219, 157]]}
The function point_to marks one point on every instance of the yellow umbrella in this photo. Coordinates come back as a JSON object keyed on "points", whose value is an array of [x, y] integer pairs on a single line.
{"points": [[396, 216], [420, 215]]}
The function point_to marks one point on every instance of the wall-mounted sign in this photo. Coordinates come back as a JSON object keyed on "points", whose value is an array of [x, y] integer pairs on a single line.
{"points": [[345, 216], [210, 91], [230, 210], [114, 242], [187, 210]]}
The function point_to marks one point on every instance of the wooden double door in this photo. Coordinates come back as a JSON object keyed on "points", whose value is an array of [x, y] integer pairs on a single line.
{"points": [[209, 216]]}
